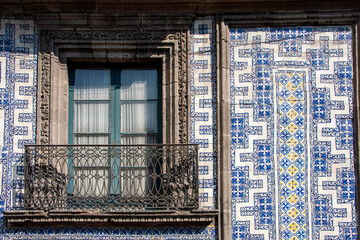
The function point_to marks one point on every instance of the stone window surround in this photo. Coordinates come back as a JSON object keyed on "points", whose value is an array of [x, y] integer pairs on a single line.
{"points": [[224, 23], [60, 45]]}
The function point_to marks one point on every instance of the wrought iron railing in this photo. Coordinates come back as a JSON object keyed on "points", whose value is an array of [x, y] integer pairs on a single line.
{"points": [[111, 177]]}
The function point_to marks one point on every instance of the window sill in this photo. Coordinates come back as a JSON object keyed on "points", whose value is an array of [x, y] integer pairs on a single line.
{"points": [[80, 218]]}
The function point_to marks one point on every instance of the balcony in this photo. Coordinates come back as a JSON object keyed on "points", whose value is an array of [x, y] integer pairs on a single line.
{"points": [[113, 183]]}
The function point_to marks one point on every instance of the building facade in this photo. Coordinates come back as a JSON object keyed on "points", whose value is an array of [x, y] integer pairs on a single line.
{"points": [[267, 92]]}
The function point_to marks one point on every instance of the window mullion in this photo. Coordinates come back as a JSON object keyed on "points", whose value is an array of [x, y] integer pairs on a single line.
{"points": [[115, 110]]}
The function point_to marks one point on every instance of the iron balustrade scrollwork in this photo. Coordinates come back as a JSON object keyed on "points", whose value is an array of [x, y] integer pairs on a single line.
{"points": [[111, 177]]}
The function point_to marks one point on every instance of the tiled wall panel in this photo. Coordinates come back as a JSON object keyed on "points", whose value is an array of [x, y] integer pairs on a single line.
{"points": [[203, 106], [292, 133], [18, 64]]}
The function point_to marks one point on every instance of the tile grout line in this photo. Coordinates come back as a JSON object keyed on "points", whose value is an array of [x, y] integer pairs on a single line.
{"points": [[277, 229], [307, 82]]}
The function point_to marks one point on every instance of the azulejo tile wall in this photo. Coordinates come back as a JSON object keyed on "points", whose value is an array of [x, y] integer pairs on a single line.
{"points": [[18, 64], [203, 106], [292, 133], [18, 67]]}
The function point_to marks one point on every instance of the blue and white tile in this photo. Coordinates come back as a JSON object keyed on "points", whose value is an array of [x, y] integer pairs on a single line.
{"points": [[18, 64], [308, 208], [203, 109]]}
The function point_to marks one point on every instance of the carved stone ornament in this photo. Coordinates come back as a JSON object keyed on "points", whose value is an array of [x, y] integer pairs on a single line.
{"points": [[157, 39], [44, 100], [181, 37]]}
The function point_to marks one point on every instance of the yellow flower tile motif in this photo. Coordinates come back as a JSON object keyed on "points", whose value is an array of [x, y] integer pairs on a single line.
{"points": [[291, 87], [293, 227], [281, 114], [292, 128], [292, 184], [292, 100], [292, 142], [294, 238], [292, 156], [293, 198], [293, 212], [289, 74], [304, 212], [292, 170], [292, 114], [305, 227]]}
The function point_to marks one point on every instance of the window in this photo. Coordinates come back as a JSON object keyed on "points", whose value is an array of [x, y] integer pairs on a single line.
{"points": [[112, 106]]}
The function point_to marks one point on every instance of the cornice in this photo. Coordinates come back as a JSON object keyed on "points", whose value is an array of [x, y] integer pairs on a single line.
{"points": [[170, 7]]}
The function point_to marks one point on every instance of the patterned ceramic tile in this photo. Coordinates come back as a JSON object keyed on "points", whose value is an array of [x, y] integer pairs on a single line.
{"points": [[292, 133], [18, 64], [206, 233], [203, 108]]}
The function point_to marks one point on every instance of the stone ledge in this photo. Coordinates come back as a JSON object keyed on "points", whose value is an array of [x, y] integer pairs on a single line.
{"points": [[78, 218]]}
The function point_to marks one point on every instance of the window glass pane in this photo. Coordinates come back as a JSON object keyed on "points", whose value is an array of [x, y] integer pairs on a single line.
{"points": [[91, 183], [91, 117], [100, 109], [92, 84], [91, 139], [138, 85], [138, 139], [133, 182], [138, 117]]}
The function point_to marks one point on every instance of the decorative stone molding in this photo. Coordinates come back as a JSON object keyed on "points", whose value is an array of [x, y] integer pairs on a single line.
{"points": [[43, 98], [167, 44], [183, 99], [110, 218]]}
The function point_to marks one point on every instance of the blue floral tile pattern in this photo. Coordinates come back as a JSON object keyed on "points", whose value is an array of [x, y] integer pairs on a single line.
{"points": [[292, 140], [292, 153]]}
